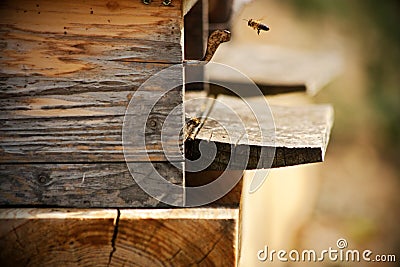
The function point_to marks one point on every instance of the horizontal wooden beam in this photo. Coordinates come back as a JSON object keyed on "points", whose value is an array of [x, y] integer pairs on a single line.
{"points": [[276, 69], [105, 185], [63, 37], [84, 126], [82, 185], [77, 237]]}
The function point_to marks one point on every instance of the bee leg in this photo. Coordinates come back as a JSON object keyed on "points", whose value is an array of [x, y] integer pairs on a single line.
{"points": [[258, 31]]}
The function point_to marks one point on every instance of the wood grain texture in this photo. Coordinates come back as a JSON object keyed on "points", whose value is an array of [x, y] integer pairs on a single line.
{"points": [[299, 135], [84, 127], [104, 185], [279, 70], [69, 69], [302, 135], [80, 185], [60, 37], [37, 237]]}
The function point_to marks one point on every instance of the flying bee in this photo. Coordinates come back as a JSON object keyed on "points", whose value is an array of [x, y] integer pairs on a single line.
{"points": [[257, 25]]}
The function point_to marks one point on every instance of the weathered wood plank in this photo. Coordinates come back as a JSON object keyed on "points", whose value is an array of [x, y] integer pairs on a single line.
{"points": [[79, 119], [38, 237], [278, 70], [80, 185], [83, 130], [69, 70], [60, 37], [108, 78], [299, 135], [98, 185]]}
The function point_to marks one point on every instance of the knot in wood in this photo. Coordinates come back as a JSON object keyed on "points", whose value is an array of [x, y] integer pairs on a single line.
{"points": [[43, 178], [152, 123], [166, 2], [146, 2]]}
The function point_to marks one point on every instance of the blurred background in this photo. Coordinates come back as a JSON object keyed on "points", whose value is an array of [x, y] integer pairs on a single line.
{"points": [[354, 194]]}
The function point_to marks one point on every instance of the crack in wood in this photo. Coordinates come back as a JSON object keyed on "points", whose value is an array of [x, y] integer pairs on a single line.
{"points": [[174, 255], [114, 237], [224, 231], [17, 236]]}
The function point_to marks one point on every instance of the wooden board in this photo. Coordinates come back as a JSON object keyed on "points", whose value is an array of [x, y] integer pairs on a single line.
{"points": [[69, 70], [299, 135], [80, 185], [96, 185], [60, 37], [302, 135], [38, 237], [278, 70], [82, 127]]}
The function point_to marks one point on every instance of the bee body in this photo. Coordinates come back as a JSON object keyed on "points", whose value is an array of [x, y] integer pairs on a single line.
{"points": [[190, 126], [193, 122], [257, 25]]}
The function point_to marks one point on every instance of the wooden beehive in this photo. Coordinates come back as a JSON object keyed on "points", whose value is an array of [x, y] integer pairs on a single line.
{"points": [[68, 72]]}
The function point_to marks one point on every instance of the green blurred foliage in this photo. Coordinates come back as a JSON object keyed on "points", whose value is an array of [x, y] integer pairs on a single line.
{"points": [[376, 25]]}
